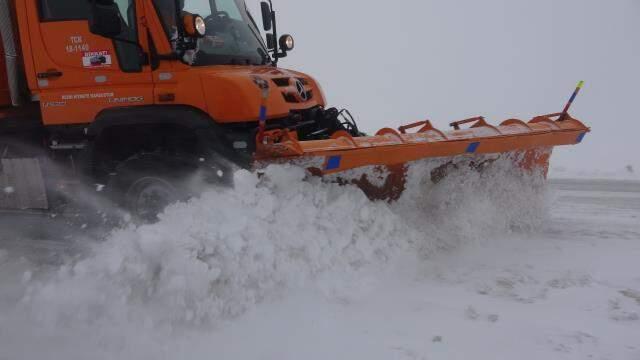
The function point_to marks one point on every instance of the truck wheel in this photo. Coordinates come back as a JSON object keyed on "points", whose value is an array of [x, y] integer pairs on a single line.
{"points": [[146, 185], [149, 196]]}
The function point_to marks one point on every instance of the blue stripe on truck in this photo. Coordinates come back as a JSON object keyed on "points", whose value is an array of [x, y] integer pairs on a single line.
{"points": [[333, 162], [473, 147], [581, 137]]}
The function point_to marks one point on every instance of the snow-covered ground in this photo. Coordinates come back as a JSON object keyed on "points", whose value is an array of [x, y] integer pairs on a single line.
{"points": [[627, 173], [490, 266]]}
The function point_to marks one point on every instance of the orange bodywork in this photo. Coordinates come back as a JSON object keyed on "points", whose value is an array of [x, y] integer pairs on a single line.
{"points": [[227, 93]]}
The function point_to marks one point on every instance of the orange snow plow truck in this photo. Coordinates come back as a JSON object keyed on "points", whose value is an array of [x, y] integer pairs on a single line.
{"points": [[138, 94]]}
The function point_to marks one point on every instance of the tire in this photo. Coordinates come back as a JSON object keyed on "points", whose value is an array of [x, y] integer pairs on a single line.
{"points": [[146, 184], [148, 197]]}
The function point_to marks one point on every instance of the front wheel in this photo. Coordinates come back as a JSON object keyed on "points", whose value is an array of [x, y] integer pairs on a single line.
{"points": [[149, 196], [146, 184]]}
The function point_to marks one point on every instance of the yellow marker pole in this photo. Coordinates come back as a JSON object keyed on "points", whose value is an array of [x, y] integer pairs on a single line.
{"points": [[565, 112]]}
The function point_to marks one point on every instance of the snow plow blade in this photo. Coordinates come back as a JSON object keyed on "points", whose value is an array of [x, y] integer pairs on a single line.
{"points": [[392, 150]]}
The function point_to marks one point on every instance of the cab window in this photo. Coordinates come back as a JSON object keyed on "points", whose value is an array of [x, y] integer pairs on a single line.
{"points": [[60, 10], [230, 7], [69, 10]]}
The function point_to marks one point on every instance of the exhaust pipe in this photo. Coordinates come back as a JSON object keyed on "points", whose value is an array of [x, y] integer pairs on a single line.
{"points": [[11, 53]]}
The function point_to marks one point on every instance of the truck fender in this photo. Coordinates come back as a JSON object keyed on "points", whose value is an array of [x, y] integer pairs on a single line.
{"points": [[186, 116], [212, 139]]}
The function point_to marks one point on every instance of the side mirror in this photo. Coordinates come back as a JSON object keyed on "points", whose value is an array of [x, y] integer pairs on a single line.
{"points": [[104, 18], [271, 41], [267, 16]]}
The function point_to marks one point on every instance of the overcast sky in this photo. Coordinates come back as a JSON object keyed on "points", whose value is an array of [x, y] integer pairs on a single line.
{"points": [[405, 60]]}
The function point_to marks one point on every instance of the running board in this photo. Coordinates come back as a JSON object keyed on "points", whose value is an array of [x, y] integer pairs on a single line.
{"points": [[22, 185]]}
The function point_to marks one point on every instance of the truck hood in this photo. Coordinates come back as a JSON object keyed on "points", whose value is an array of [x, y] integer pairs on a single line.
{"points": [[233, 95]]}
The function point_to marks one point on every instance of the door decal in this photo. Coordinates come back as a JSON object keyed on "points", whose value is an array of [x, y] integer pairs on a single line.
{"points": [[96, 59]]}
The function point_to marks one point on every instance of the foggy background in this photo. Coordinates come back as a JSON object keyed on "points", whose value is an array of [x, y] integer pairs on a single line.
{"points": [[394, 63]]}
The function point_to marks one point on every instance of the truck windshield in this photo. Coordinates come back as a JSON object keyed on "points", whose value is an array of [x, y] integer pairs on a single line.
{"points": [[232, 36]]}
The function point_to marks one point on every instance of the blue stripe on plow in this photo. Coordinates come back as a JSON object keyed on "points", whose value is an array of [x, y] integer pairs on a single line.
{"points": [[263, 113], [473, 147], [333, 162], [581, 137]]}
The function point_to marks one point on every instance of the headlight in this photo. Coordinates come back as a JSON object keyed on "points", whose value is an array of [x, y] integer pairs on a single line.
{"points": [[287, 43], [200, 25], [194, 25]]}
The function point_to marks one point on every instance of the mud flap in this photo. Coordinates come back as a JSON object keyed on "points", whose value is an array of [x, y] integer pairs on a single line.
{"points": [[22, 185]]}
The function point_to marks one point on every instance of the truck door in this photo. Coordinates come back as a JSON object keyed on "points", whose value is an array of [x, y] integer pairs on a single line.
{"points": [[80, 74]]}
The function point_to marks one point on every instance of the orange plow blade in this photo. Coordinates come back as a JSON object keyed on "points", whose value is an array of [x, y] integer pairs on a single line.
{"points": [[389, 151]]}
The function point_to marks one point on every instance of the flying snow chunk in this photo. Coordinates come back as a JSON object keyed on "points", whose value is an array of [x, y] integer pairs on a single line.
{"points": [[9, 190]]}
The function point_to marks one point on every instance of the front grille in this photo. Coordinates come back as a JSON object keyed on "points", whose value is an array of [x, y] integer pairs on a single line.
{"points": [[291, 98], [288, 84], [281, 82], [285, 81]]}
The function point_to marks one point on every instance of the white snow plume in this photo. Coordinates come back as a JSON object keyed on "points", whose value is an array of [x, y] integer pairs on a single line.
{"points": [[217, 256], [471, 205]]}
